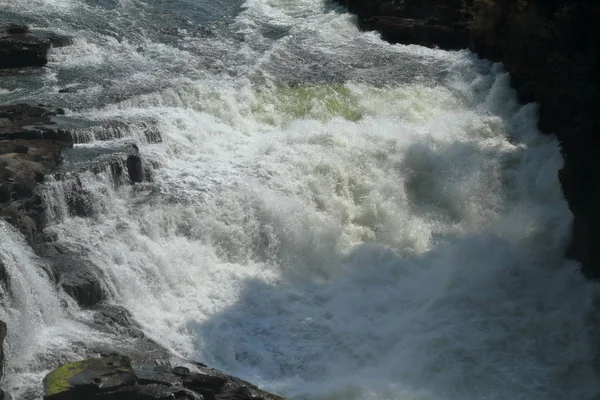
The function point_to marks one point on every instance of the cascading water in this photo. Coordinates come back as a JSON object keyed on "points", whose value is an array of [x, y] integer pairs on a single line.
{"points": [[329, 216]]}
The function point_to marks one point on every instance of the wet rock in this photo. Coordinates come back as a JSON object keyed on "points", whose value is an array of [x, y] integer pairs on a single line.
{"points": [[135, 168], [116, 319], [4, 277], [17, 29], [20, 47], [18, 51], [423, 32], [75, 274], [30, 148], [117, 377], [67, 90], [2, 337], [84, 286], [93, 378]]}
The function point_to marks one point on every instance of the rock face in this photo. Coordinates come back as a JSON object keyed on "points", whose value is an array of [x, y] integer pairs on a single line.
{"points": [[425, 22], [552, 50], [118, 378]]}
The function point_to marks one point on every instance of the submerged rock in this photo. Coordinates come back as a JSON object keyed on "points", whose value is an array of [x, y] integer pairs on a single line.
{"points": [[118, 378]]}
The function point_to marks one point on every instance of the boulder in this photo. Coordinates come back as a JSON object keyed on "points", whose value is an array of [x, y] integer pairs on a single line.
{"points": [[116, 377]]}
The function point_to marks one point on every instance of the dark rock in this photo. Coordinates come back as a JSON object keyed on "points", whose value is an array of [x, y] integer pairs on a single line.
{"points": [[116, 377], [17, 29], [5, 395], [20, 48], [94, 378], [17, 51], [411, 31], [4, 278], [135, 168], [2, 337], [4, 193], [181, 371], [58, 40], [84, 286], [77, 276], [30, 147], [23, 112]]}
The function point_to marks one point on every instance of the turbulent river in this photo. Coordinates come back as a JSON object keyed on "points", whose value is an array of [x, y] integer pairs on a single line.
{"points": [[328, 216]]}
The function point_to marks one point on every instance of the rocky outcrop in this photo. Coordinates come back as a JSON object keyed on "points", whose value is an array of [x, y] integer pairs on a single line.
{"points": [[116, 377], [552, 50], [30, 149], [20, 47]]}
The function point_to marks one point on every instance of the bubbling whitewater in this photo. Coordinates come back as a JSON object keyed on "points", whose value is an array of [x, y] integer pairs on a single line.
{"points": [[329, 216]]}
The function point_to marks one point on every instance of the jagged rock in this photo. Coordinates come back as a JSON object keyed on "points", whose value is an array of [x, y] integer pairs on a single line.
{"points": [[117, 378]]}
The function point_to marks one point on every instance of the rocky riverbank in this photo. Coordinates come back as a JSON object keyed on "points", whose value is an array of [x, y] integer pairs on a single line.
{"points": [[552, 50], [34, 142]]}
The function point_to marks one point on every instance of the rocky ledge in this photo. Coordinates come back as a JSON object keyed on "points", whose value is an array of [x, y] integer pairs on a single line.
{"points": [[552, 50], [20, 47], [117, 377]]}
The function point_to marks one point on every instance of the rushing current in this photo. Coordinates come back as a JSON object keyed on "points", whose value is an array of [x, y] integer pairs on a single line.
{"points": [[327, 215]]}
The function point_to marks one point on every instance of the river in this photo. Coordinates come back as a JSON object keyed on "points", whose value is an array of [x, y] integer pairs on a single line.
{"points": [[326, 215]]}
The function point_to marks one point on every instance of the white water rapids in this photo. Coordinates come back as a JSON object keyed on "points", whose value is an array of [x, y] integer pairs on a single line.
{"points": [[330, 216]]}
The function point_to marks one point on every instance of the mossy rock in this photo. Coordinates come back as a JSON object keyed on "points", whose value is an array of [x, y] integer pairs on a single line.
{"points": [[84, 379]]}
